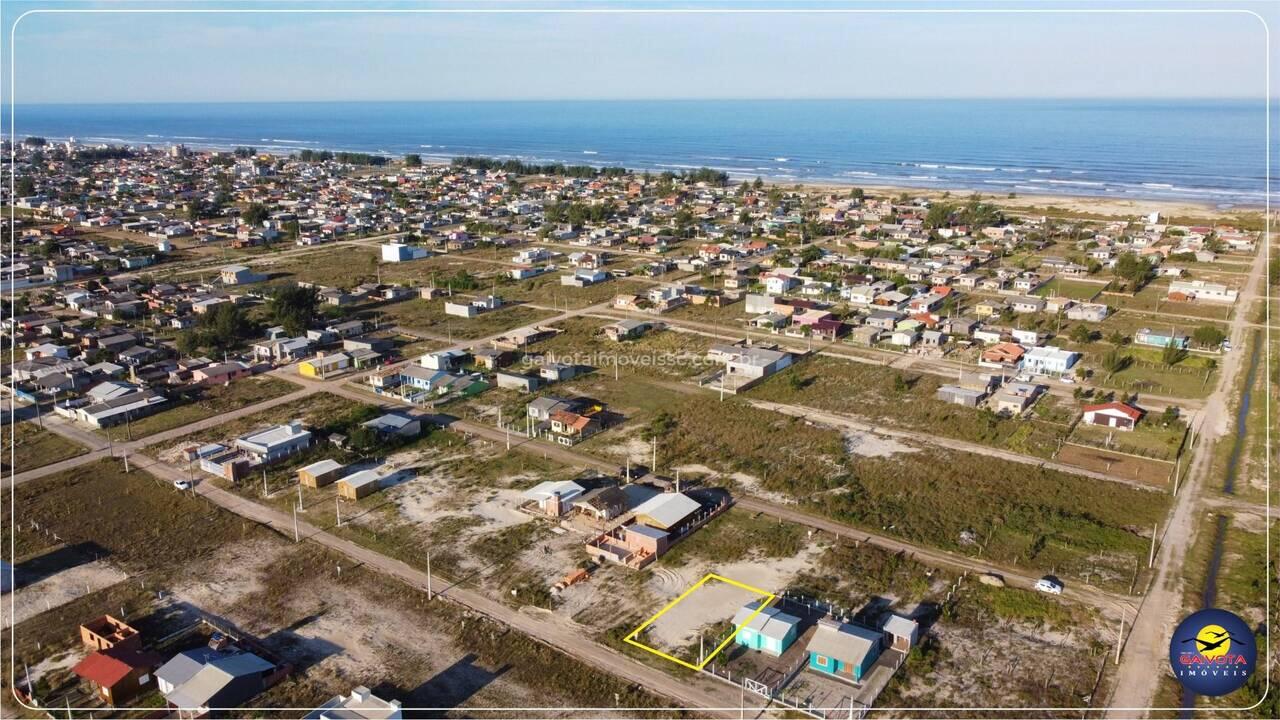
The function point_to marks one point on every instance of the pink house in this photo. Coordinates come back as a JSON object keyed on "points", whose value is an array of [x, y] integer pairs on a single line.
{"points": [[219, 373]]}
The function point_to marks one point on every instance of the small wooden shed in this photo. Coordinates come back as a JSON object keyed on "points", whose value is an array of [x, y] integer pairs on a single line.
{"points": [[319, 474]]}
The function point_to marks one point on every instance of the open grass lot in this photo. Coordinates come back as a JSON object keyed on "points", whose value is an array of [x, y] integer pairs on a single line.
{"points": [[1149, 439], [1128, 323], [206, 402], [344, 267], [732, 316], [1152, 298], [1193, 377], [1035, 518], [664, 354], [27, 446], [1074, 289], [869, 392], [546, 290], [428, 316]]}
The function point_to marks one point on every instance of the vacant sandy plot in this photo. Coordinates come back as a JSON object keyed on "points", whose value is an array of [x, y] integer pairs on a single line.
{"points": [[61, 588], [707, 608]]}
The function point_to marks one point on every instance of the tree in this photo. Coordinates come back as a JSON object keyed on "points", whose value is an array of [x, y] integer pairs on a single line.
{"points": [[1117, 338], [938, 216], [1209, 336], [1114, 361], [660, 426], [1133, 269], [292, 230], [1172, 354], [25, 187], [255, 214], [1081, 334], [413, 160], [189, 342], [294, 308], [223, 327]]}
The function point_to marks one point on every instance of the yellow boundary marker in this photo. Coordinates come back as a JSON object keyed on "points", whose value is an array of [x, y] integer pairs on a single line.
{"points": [[768, 599]]}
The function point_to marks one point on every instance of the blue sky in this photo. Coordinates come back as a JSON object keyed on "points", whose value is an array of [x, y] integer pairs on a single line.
{"points": [[158, 57]]}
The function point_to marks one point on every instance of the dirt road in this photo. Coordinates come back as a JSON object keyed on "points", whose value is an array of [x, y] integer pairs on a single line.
{"points": [[562, 634], [1144, 659]]}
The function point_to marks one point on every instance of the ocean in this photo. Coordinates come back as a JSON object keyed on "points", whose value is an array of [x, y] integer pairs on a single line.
{"points": [[1202, 150]]}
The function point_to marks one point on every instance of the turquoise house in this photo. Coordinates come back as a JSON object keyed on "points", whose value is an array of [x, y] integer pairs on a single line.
{"points": [[770, 631], [842, 650]]}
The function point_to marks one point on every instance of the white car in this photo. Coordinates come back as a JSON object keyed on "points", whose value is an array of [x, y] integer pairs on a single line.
{"points": [[1049, 585], [1067, 379], [182, 484]]}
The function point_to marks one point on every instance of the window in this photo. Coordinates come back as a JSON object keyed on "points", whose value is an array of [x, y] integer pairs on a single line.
{"points": [[822, 660]]}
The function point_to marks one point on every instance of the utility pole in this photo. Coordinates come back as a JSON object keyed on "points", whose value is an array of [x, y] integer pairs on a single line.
{"points": [[1120, 636], [264, 482], [337, 508], [1151, 558], [654, 469], [295, 524], [126, 461], [429, 594]]}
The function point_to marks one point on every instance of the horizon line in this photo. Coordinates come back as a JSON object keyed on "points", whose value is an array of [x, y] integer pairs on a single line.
{"points": [[956, 98]]}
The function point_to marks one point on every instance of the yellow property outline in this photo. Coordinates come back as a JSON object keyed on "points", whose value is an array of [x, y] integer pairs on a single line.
{"points": [[768, 599]]}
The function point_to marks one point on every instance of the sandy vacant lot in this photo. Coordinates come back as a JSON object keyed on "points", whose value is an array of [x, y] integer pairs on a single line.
{"points": [[61, 588]]}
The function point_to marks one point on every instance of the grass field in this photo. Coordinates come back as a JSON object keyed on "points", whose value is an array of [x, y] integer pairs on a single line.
{"points": [[1192, 378], [428, 316], [1031, 517], [1148, 439], [344, 267], [33, 447], [872, 393], [546, 290], [203, 403], [666, 354], [1074, 289]]}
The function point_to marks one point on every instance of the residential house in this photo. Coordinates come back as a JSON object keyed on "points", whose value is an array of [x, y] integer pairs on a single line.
{"points": [[770, 630], [200, 680], [1049, 360], [554, 498], [843, 650], [1015, 397], [274, 443], [239, 275], [361, 704], [1118, 415], [118, 674], [1162, 338]]}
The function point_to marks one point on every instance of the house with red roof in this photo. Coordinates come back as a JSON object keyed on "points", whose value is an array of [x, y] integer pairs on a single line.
{"points": [[118, 674], [1118, 415]]}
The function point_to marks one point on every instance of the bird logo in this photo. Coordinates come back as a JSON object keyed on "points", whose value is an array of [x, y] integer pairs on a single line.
{"points": [[1211, 641]]}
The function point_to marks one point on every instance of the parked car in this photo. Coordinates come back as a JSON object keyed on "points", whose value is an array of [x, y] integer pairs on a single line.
{"points": [[1050, 585], [182, 484], [1067, 379]]}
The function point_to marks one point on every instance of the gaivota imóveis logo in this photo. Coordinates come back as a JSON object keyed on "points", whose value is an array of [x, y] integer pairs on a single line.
{"points": [[1213, 652]]}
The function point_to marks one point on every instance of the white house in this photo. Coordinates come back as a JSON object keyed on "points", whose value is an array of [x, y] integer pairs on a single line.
{"points": [[1049, 360]]}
